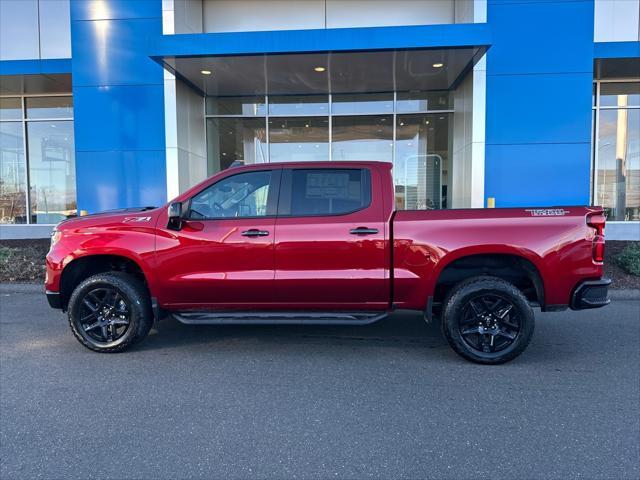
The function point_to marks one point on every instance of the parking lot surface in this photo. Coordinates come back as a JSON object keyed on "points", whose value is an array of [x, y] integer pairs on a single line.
{"points": [[390, 400]]}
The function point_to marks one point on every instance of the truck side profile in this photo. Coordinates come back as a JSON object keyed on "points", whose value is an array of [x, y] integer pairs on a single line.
{"points": [[322, 243]]}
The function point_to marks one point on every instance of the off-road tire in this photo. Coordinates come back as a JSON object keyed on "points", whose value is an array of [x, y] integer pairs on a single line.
{"points": [[459, 298], [136, 295]]}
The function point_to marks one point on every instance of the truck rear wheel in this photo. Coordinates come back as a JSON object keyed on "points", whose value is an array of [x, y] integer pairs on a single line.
{"points": [[487, 320], [109, 312]]}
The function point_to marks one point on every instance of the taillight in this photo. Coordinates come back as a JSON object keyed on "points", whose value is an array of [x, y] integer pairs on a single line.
{"points": [[598, 249], [597, 221]]}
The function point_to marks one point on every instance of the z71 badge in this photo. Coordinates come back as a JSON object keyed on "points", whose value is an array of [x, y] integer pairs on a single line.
{"points": [[547, 212], [136, 219]]}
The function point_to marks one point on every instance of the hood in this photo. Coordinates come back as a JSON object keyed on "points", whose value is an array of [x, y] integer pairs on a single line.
{"points": [[134, 215]]}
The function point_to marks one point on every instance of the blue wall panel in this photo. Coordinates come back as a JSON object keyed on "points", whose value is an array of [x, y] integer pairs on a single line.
{"points": [[114, 52], [539, 86], [535, 174], [558, 108], [130, 117], [322, 40], [118, 104], [118, 179], [114, 9]]}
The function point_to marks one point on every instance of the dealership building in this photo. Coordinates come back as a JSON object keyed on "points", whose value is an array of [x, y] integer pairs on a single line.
{"points": [[477, 103]]}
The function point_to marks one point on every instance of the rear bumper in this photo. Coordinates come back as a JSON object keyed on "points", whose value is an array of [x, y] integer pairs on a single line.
{"points": [[54, 299], [591, 294]]}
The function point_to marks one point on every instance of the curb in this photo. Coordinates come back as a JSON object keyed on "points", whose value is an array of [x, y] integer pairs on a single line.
{"points": [[614, 294]]}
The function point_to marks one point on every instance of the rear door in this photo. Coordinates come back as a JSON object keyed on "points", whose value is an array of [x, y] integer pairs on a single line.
{"points": [[330, 240]]}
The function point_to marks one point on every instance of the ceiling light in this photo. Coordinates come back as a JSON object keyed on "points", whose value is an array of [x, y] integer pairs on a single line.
{"points": [[438, 65], [205, 72], [319, 69]]}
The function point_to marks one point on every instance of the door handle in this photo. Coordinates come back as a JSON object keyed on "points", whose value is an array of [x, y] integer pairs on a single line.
{"points": [[363, 231], [254, 232]]}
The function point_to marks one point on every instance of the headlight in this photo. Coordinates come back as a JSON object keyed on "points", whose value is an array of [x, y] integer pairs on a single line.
{"points": [[55, 236]]}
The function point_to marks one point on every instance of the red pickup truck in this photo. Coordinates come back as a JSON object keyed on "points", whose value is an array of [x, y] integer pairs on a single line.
{"points": [[322, 243]]}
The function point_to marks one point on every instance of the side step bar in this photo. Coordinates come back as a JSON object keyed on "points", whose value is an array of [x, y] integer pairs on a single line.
{"points": [[278, 318]]}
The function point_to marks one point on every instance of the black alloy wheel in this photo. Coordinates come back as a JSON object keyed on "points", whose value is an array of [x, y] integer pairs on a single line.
{"points": [[110, 311], [487, 320], [489, 323], [104, 314]]}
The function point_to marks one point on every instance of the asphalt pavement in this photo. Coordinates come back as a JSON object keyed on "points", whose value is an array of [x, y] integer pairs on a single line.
{"points": [[390, 400]]}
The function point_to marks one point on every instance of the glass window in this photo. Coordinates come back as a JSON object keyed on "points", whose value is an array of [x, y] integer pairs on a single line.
{"points": [[19, 36], [618, 157], [362, 103], [10, 109], [248, 106], [52, 171], [367, 137], [55, 29], [12, 174], [421, 168], [299, 105], [410, 102], [239, 196], [619, 94], [235, 140], [329, 192], [49, 107], [298, 139]]}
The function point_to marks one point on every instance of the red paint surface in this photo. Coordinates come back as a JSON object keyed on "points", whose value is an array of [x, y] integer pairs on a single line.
{"points": [[315, 263]]}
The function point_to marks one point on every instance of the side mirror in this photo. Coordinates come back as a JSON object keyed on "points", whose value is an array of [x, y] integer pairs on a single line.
{"points": [[174, 212]]}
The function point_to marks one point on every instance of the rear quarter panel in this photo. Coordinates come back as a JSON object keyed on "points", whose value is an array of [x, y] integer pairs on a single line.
{"points": [[425, 242]]}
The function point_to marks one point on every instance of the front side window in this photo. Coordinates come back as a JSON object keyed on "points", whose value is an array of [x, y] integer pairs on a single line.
{"points": [[239, 196], [329, 191]]}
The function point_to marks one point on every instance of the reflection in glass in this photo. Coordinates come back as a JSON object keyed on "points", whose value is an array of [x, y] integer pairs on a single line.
{"points": [[52, 171], [299, 139], [249, 106], [10, 108], [299, 105], [12, 174], [235, 140], [367, 137], [238, 196], [410, 102], [613, 93], [421, 166], [618, 175], [362, 103], [49, 107]]}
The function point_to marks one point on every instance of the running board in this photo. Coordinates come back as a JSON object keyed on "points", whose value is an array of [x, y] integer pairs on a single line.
{"points": [[278, 318]]}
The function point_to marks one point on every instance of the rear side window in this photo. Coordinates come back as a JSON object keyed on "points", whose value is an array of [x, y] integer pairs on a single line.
{"points": [[329, 191]]}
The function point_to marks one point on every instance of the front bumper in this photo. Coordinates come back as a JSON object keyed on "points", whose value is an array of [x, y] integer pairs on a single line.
{"points": [[54, 299], [591, 294]]}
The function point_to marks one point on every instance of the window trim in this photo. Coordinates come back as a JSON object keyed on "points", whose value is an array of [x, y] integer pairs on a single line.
{"points": [[286, 189], [272, 196]]}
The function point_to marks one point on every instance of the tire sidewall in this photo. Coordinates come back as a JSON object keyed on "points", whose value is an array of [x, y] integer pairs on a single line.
{"points": [[458, 300], [132, 297]]}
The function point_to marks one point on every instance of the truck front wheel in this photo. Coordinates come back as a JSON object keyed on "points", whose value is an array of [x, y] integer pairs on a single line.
{"points": [[487, 320], [109, 312]]}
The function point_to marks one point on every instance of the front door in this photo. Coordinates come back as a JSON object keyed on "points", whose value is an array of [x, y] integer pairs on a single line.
{"points": [[223, 257], [330, 247]]}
